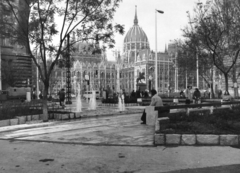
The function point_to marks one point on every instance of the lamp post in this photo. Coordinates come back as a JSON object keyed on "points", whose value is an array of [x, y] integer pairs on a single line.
{"points": [[0, 63], [37, 76], [68, 73], [156, 61], [197, 75]]}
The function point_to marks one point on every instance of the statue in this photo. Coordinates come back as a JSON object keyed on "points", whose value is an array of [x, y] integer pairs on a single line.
{"points": [[141, 82], [141, 78]]}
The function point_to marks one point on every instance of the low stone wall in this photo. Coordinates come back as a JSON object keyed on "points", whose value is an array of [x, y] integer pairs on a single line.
{"points": [[20, 120], [194, 139], [24, 119]]}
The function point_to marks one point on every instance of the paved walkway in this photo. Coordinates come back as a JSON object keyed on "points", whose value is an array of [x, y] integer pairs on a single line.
{"points": [[104, 145], [114, 130]]}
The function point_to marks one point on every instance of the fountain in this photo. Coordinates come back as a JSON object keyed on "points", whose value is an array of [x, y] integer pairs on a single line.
{"points": [[92, 102], [78, 101], [121, 104]]}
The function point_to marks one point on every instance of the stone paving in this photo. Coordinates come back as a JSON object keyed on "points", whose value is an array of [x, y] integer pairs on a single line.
{"points": [[122, 129], [40, 147]]}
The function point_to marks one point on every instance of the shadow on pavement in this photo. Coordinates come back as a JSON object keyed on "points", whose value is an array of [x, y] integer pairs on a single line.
{"points": [[216, 169]]}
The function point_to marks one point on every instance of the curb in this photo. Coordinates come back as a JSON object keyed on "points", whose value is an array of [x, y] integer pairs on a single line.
{"points": [[197, 139], [20, 120], [57, 117]]}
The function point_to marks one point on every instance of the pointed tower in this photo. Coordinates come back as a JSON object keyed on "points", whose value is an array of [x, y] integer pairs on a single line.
{"points": [[166, 48], [135, 18]]}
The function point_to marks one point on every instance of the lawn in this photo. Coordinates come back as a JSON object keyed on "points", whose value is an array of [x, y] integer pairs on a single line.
{"points": [[221, 122]]}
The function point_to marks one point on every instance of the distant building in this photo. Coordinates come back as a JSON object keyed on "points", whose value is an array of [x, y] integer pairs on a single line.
{"points": [[15, 62], [137, 59], [101, 73]]}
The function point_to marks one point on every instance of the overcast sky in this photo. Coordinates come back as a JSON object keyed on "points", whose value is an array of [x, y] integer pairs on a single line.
{"points": [[169, 24]]}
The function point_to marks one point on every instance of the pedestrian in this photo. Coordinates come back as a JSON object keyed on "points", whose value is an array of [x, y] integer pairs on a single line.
{"points": [[181, 94], [138, 93], [61, 97], [209, 92], [40, 95], [142, 94], [196, 96], [34, 95], [133, 94], [226, 96], [155, 101], [188, 95], [146, 93], [219, 93]]}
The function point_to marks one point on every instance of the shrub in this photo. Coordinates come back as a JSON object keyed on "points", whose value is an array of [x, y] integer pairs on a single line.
{"points": [[222, 121], [12, 110], [115, 100]]}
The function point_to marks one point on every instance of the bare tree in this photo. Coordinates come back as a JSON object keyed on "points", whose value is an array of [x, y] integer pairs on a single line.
{"points": [[216, 27], [46, 24]]}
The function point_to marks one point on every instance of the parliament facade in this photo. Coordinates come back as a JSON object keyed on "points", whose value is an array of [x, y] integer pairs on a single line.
{"points": [[136, 60]]}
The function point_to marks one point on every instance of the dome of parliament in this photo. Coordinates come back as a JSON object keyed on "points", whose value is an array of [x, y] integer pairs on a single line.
{"points": [[136, 38]]}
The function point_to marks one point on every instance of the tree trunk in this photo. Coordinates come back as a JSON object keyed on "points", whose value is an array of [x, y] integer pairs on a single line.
{"points": [[45, 106], [235, 87], [212, 91], [226, 81]]}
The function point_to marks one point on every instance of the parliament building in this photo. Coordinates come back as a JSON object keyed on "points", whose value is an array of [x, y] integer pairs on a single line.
{"points": [[136, 60]]}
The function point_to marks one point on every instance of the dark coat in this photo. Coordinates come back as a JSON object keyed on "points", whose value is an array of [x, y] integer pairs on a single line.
{"points": [[196, 95], [61, 95]]}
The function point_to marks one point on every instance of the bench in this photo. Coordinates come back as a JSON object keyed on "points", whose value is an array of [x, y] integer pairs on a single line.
{"points": [[164, 110], [166, 101]]}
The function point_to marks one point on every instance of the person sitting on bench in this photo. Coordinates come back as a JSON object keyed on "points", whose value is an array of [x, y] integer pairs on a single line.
{"points": [[155, 101]]}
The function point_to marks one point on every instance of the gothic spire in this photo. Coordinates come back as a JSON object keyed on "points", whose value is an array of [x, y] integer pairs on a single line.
{"points": [[135, 19], [166, 48]]}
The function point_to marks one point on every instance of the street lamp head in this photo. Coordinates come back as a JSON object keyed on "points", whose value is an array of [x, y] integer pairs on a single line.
{"points": [[159, 11]]}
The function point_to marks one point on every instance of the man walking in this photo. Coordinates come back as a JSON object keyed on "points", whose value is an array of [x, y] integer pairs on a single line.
{"points": [[61, 97], [188, 95]]}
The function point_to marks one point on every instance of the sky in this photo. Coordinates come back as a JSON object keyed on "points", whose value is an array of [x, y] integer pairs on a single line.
{"points": [[169, 24]]}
